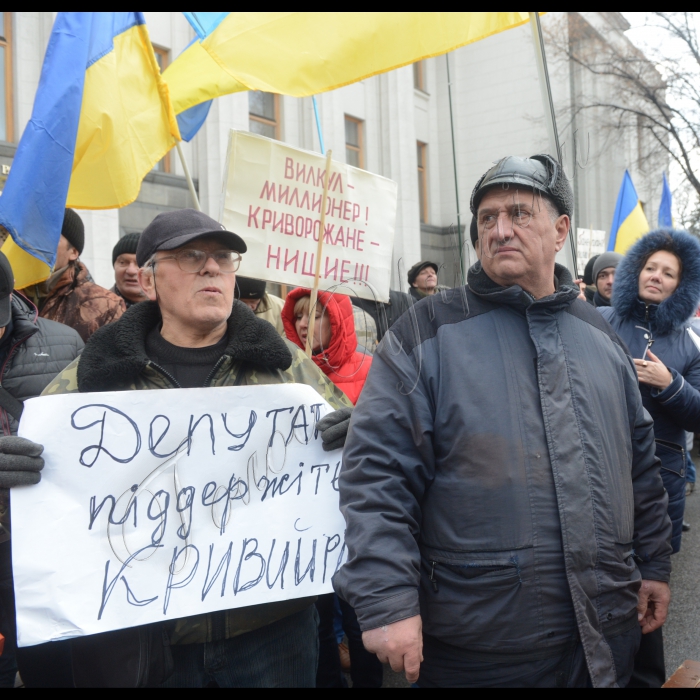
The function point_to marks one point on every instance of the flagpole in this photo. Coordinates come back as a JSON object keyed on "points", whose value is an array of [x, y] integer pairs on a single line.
{"points": [[550, 117], [319, 252], [188, 177]]}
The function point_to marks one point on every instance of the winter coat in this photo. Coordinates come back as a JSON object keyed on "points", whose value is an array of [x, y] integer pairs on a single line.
{"points": [[499, 462], [676, 408], [340, 361], [38, 351], [115, 359], [80, 303]]}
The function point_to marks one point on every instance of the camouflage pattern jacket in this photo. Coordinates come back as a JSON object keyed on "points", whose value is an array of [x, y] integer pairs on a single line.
{"points": [[115, 360], [80, 303]]}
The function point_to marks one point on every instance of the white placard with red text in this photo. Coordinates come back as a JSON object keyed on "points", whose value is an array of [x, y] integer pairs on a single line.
{"points": [[272, 198]]}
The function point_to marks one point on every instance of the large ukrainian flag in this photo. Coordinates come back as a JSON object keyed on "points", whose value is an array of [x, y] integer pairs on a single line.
{"points": [[102, 119], [305, 53], [630, 221]]}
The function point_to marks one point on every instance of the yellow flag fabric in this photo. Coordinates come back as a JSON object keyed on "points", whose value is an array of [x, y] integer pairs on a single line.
{"points": [[27, 268], [305, 53], [631, 229], [127, 124]]}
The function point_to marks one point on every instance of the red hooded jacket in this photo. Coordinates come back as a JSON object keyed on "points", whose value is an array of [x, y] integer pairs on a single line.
{"points": [[340, 361]]}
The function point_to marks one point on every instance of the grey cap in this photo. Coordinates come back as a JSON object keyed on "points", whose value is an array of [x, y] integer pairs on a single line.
{"points": [[173, 229], [609, 259], [540, 172]]}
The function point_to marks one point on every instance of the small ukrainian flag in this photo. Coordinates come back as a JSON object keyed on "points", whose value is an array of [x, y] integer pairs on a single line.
{"points": [[630, 221]]}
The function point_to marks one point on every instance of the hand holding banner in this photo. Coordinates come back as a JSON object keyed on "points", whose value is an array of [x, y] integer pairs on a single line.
{"points": [[156, 505]]}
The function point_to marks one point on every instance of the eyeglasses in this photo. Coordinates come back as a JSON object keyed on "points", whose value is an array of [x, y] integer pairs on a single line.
{"points": [[194, 260]]}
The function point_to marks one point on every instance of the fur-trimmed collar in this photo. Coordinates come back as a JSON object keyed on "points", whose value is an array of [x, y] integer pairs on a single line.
{"points": [[672, 313], [116, 353]]}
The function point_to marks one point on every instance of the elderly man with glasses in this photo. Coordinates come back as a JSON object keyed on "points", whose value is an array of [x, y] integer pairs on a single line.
{"points": [[191, 333]]}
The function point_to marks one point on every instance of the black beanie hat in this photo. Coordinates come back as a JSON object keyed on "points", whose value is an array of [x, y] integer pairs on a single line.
{"points": [[73, 230], [588, 272], [126, 244], [249, 288]]}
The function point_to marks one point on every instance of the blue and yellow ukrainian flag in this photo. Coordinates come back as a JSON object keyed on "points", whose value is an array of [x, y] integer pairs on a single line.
{"points": [[665, 213], [630, 221], [102, 118]]}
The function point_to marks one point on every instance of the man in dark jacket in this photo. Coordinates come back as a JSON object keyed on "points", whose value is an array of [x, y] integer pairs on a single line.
{"points": [[506, 520], [385, 315], [70, 295], [32, 352]]}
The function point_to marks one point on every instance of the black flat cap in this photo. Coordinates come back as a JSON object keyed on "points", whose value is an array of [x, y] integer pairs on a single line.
{"points": [[173, 229]]}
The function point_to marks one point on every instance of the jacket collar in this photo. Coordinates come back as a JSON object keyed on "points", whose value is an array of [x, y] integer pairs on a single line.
{"points": [[516, 297], [116, 354]]}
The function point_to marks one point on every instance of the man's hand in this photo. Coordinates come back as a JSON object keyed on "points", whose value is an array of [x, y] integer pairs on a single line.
{"points": [[581, 289], [652, 608], [399, 644], [334, 428], [20, 462]]}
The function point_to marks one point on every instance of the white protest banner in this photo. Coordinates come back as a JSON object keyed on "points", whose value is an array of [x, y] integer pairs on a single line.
{"points": [[272, 198], [156, 505], [589, 242]]}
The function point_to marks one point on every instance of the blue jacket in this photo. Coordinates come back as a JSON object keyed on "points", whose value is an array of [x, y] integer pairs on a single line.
{"points": [[676, 409], [498, 474]]}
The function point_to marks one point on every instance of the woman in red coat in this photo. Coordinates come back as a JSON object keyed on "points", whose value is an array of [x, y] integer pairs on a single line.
{"points": [[335, 342], [334, 351]]}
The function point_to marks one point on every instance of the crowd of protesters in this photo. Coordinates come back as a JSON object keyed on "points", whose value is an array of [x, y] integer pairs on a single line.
{"points": [[514, 456]]}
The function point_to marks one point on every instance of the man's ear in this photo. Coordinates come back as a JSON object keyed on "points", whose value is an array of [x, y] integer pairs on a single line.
{"points": [[562, 225], [147, 282], [73, 253]]}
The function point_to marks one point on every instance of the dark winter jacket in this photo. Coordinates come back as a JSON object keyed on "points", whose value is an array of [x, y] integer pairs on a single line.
{"points": [[676, 408], [385, 315], [37, 351], [340, 361], [499, 478]]}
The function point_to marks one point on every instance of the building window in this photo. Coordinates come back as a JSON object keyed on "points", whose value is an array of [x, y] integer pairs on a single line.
{"points": [[422, 182], [354, 148], [263, 108], [162, 59], [419, 75], [6, 112]]}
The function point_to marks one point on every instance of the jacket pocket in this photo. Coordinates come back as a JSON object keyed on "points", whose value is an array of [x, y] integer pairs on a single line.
{"points": [[672, 457], [484, 601]]}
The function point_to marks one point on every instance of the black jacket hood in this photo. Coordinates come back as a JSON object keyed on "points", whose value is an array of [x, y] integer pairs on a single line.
{"points": [[116, 353]]}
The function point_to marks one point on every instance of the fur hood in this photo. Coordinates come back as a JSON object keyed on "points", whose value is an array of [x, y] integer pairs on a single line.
{"points": [[672, 313], [116, 353]]}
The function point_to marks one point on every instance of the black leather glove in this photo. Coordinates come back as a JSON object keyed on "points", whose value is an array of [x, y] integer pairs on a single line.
{"points": [[334, 428], [20, 462]]}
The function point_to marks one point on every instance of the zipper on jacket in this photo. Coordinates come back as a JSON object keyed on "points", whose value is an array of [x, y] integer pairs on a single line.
{"points": [[432, 578], [165, 373], [214, 369], [646, 313]]}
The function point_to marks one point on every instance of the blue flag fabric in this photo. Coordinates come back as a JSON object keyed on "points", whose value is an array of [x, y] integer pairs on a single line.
{"points": [[191, 120], [665, 215], [33, 202]]}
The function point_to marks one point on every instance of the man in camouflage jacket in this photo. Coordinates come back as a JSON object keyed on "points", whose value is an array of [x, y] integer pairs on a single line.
{"points": [[138, 353]]}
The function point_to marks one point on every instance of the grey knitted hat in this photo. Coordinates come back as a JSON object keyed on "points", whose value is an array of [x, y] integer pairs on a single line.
{"points": [[609, 259]]}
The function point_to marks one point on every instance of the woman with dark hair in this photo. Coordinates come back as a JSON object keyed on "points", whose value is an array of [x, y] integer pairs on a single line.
{"points": [[656, 294]]}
